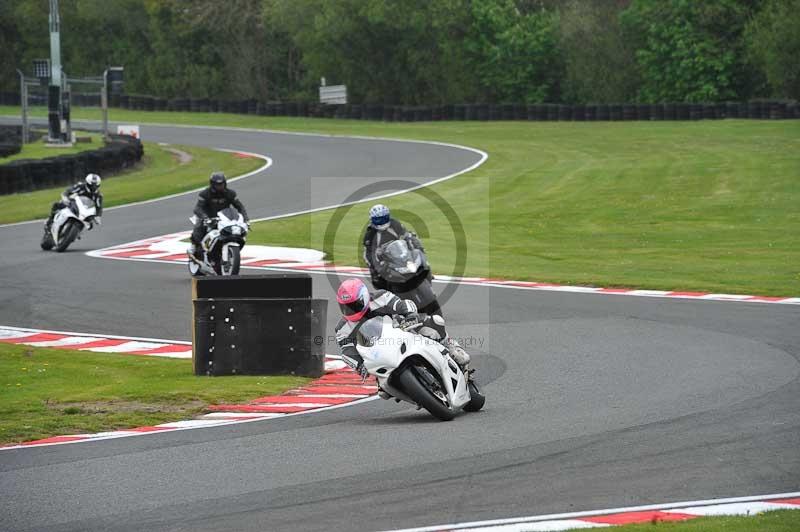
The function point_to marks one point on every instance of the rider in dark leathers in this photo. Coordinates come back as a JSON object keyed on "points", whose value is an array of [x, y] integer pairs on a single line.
{"points": [[382, 229], [210, 201], [89, 187]]}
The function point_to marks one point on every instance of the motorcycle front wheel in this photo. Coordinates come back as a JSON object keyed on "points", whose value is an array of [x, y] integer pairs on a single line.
{"points": [[234, 262], [68, 235], [425, 394]]}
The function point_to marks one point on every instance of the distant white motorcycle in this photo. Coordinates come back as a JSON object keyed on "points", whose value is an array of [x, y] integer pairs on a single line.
{"points": [[221, 247], [416, 369], [69, 222]]}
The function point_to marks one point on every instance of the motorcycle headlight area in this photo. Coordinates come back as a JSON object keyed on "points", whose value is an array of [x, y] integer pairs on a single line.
{"points": [[370, 332]]}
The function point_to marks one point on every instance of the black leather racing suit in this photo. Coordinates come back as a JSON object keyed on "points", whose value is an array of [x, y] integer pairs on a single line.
{"points": [[209, 203], [81, 189], [383, 303]]}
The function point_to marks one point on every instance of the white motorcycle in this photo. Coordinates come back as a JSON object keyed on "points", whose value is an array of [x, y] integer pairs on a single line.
{"points": [[69, 222], [416, 369], [221, 247]]}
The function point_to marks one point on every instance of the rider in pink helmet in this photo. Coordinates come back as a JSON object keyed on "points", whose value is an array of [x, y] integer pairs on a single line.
{"points": [[353, 298], [358, 305]]}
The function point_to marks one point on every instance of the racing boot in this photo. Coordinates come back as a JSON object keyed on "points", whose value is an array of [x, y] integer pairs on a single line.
{"points": [[459, 355], [195, 253]]}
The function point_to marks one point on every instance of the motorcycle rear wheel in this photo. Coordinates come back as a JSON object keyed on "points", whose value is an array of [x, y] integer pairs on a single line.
{"points": [[476, 398], [413, 386], [68, 235]]}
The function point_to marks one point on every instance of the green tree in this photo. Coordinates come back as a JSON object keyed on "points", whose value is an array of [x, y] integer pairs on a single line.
{"points": [[513, 52], [773, 46], [689, 50], [599, 65], [385, 52]]}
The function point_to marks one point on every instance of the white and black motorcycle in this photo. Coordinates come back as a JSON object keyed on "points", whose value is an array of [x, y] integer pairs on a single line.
{"points": [[416, 369], [69, 222], [222, 245]]}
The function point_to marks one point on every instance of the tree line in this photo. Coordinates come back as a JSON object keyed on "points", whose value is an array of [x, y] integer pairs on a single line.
{"points": [[422, 51]]}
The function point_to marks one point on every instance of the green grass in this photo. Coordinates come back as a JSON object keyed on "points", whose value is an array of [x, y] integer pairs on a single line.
{"points": [[39, 150], [49, 392], [160, 173], [776, 521], [696, 206]]}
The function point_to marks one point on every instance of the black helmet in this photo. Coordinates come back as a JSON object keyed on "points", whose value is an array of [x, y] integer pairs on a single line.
{"points": [[217, 182]]}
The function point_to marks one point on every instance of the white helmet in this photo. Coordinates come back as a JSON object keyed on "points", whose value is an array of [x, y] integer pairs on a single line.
{"points": [[93, 182]]}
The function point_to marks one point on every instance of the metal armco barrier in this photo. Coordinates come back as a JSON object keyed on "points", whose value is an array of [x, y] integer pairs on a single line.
{"points": [[258, 325]]}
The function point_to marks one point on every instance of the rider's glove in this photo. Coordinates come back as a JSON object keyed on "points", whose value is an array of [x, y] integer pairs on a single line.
{"points": [[362, 371], [411, 307]]}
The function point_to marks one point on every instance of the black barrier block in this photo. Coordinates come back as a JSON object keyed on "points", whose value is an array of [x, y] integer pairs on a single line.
{"points": [[682, 111], [259, 337], [283, 286], [590, 113], [602, 113], [565, 113], [552, 112], [615, 112], [670, 111]]}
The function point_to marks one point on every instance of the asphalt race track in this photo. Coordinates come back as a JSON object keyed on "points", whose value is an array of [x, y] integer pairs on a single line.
{"points": [[593, 401]]}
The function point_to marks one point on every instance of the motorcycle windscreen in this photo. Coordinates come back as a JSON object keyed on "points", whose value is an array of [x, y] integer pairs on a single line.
{"points": [[228, 215], [370, 332], [398, 257], [84, 206]]}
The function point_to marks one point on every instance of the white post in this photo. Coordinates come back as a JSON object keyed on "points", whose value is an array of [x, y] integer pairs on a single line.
{"points": [[104, 103]]}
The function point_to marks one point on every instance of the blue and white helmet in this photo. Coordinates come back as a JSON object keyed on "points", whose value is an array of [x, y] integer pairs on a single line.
{"points": [[379, 216]]}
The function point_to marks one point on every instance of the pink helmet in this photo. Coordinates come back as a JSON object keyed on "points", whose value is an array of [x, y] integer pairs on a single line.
{"points": [[353, 299]]}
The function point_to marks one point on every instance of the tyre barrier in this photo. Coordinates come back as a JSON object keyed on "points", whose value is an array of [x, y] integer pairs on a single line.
{"points": [[754, 109], [26, 175]]}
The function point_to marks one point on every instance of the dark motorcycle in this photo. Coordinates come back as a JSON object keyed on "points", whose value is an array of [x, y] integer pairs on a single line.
{"points": [[407, 274]]}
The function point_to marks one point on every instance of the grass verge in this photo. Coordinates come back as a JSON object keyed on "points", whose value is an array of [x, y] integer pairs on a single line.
{"points": [[160, 173], [695, 206], [775, 521], [50, 392]]}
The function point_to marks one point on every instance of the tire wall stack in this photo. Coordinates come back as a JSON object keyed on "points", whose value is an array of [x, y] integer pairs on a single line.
{"points": [[26, 175], [589, 112]]}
